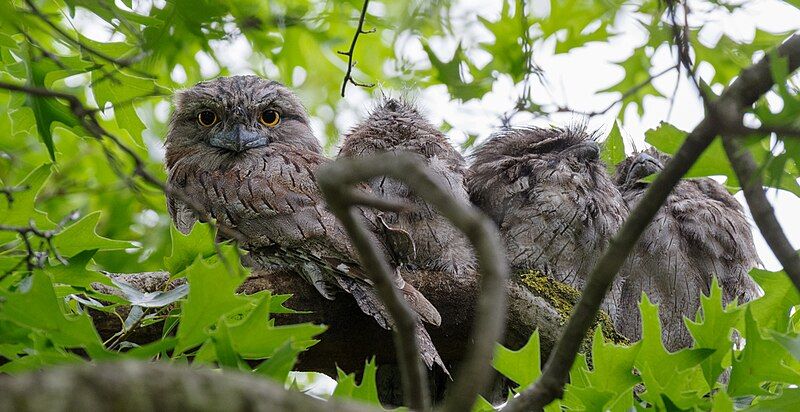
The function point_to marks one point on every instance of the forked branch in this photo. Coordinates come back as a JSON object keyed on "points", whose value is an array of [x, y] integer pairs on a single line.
{"points": [[746, 170], [348, 75], [338, 178]]}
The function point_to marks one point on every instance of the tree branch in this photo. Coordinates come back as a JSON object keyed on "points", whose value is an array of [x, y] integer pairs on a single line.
{"points": [[155, 386], [474, 373], [747, 171], [34, 259], [348, 75], [742, 93], [338, 195]]}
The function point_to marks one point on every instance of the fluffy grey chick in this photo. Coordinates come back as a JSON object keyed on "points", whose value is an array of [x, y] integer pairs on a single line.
{"points": [[550, 195], [420, 238], [242, 150], [700, 232]]}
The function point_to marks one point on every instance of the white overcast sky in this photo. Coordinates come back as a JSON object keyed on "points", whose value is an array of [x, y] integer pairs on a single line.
{"points": [[573, 79]]}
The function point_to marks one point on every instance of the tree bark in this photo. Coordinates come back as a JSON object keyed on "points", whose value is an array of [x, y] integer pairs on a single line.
{"points": [[143, 386]]}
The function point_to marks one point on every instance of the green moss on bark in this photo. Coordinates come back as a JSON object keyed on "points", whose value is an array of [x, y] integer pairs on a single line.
{"points": [[564, 298]]}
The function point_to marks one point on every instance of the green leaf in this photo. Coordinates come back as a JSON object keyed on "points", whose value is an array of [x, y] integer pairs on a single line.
{"points": [[22, 209], [712, 330], [613, 151], [226, 355], [257, 337], [279, 365], [667, 138], [771, 311], [212, 294], [123, 98], [186, 248], [75, 272], [366, 391], [761, 361], [449, 73], [47, 110], [610, 383], [669, 378], [38, 309], [82, 235], [786, 401], [521, 366], [634, 86]]}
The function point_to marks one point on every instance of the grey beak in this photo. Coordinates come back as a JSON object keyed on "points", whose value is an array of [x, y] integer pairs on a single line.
{"points": [[651, 162], [239, 139], [644, 157]]}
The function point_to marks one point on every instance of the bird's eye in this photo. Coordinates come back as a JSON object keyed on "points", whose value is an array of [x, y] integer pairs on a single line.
{"points": [[269, 118], [207, 118]]}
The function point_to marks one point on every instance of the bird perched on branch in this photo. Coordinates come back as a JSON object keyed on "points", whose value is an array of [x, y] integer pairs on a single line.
{"points": [[420, 238], [700, 232], [550, 195], [240, 150]]}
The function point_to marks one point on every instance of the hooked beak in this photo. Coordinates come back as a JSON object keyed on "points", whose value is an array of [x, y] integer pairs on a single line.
{"points": [[239, 139], [645, 165]]}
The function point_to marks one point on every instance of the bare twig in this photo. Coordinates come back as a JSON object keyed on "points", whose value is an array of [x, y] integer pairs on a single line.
{"points": [[747, 171], [781, 131], [348, 75], [743, 92], [34, 259], [628, 93], [9, 191], [473, 374]]}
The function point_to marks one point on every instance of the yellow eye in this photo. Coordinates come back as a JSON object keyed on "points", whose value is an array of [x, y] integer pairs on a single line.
{"points": [[207, 118], [269, 118]]}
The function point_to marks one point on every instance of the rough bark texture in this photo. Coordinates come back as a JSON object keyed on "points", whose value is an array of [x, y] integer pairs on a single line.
{"points": [[141, 386], [535, 302]]}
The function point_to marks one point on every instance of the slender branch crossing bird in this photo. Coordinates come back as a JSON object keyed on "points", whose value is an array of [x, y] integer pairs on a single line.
{"points": [[700, 232], [241, 150]]}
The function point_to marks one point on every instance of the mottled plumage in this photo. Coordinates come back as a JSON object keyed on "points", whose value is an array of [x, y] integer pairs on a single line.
{"points": [[420, 237], [700, 232], [257, 178], [549, 193]]}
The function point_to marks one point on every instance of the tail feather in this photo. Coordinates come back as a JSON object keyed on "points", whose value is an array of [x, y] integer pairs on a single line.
{"points": [[420, 304], [369, 303]]}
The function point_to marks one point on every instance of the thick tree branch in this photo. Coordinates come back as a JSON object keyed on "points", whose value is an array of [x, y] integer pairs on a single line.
{"points": [[348, 75], [474, 373], [747, 171], [143, 386], [742, 93]]}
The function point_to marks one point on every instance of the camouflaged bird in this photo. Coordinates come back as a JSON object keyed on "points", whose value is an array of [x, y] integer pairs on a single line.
{"points": [[550, 195], [241, 149], [420, 238], [700, 232]]}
